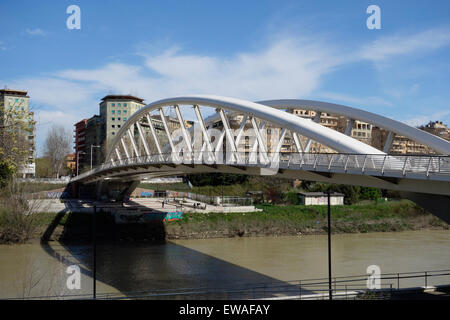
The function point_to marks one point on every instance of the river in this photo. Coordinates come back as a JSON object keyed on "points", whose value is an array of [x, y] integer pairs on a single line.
{"points": [[34, 270]]}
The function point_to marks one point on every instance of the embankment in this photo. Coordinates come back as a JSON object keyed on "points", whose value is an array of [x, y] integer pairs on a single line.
{"points": [[272, 221]]}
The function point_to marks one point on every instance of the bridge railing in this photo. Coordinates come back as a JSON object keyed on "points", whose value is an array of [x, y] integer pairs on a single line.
{"points": [[423, 165]]}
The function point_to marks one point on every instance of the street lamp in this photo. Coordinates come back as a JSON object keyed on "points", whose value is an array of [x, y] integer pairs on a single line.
{"points": [[78, 156], [93, 146]]}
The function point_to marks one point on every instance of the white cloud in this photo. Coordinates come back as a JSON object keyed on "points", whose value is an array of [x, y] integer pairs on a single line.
{"points": [[35, 32], [401, 44], [53, 92], [2, 46], [286, 68]]}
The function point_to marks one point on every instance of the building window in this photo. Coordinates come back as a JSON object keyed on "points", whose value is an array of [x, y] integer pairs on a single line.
{"points": [[124, 111], [118, 118], [124, 119], [113, 126], [113, 111], [124, 104], [118, 126], [118, 112], [113, 119], [113, 133], [118, 104], [113, 104]]}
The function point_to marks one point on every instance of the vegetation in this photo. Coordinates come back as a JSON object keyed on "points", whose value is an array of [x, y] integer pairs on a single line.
{"points": [[17, 215], [16, 227], [57, 146], [14, 146], [293, 220]]}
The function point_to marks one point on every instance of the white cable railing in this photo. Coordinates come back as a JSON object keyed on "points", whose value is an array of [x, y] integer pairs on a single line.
{"points": [[423, 165]]}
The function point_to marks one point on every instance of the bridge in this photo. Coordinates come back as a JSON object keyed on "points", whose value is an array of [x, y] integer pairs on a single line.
{"points": [[244, 137]]}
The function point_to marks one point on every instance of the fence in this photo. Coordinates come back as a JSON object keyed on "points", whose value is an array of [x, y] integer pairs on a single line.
{"points": [[349, 287]]}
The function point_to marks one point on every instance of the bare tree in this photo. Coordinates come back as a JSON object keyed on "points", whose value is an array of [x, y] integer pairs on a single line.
{"points": [[57, 146]]}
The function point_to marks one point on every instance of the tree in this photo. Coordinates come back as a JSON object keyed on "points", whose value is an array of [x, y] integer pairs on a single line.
{"points": [[14, 147], [57, 146], [43, 168]]}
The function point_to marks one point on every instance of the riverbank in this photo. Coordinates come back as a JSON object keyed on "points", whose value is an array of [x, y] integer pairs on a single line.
{"points": [[305, 220], [274, 220]]}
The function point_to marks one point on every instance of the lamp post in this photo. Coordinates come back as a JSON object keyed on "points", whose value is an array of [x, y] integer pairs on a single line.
{"points": [[330, 291], [78, 157], [93, 146]]}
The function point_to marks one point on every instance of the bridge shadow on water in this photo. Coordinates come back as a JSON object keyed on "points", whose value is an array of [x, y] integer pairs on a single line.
{"points": [[137, 260]]}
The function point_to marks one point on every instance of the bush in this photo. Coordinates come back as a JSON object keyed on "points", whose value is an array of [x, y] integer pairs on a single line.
{"points": [[273, 194], [369, 193], [17, 215], [291, 197]]}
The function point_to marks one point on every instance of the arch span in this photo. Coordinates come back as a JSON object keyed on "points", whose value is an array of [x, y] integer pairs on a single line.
{"points": [[326, 136], [436, 143]]}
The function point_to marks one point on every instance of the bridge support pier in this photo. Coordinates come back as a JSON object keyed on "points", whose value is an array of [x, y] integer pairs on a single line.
{"points": [[438, 205], [118, 190]]}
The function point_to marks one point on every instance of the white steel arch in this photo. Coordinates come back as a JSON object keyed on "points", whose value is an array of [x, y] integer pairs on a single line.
{"points": [[329, 137], [436, 143]]}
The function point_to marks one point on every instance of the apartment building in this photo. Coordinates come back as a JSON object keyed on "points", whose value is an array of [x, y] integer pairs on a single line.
{"points": [[16, 104], [97, 133], [400, 145], [80, 144]]}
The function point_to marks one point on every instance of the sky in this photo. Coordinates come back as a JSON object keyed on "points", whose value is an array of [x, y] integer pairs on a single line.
{"points": [[253, 50]]}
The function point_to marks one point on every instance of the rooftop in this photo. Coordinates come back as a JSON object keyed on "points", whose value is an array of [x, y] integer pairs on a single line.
{"points": [[14, 92], [122, 97]]}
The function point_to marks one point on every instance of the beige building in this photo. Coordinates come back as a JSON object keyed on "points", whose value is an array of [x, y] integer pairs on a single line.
{"points": [[400, 145], [17, 101], [100, 130], [362, 131], [438, 128], [114, 112]]}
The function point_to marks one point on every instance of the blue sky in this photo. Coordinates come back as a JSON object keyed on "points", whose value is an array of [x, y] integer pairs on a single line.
{"points": [[245, 49]]}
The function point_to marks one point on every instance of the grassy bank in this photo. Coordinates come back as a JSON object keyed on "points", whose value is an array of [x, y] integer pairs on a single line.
{"points": [[294, 220], [273, 220]]}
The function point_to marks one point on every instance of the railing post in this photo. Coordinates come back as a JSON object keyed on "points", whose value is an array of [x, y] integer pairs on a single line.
{"points": [[404, 165], [315, 160], [398, 281], [331, 160], [382, 167], [426, 279], [364, 163], [346, 162], [428, 167], [300, 285]]}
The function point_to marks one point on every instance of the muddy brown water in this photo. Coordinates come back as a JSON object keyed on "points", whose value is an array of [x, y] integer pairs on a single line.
{"points": [[35, 270]]}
